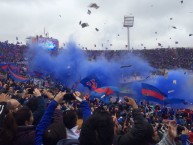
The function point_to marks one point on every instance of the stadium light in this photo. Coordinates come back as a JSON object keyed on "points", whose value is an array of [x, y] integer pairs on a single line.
{"points": [[128, 22]]}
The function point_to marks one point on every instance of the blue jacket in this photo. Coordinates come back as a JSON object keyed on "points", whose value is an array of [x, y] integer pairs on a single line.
{"points": [[86, 111], [45, 122]]}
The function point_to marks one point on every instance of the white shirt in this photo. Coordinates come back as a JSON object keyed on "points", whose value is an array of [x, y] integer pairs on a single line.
{"points": [[73, 133]]}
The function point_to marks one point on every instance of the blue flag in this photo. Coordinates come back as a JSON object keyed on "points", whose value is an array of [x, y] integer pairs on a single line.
{"points": [[92, 82]]}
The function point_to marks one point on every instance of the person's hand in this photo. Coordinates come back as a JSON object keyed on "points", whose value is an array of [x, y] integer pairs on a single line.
{"points": [[71, 107], [77, 94], [4, 97], [186, 132], [16, 92], [26, 90], [131, 102], [48, 94], [172, 129], [59, 97], [37, 92]]}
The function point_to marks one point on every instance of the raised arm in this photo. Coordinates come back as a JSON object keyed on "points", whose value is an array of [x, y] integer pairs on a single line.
{"points": [[84, 105], [47, 117]]}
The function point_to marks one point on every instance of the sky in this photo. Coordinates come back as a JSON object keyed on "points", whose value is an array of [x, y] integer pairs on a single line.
{"points": [[60, 18]]}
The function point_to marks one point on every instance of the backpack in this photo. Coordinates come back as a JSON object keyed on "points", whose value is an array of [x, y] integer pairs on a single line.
{"points": [[68, 142]]}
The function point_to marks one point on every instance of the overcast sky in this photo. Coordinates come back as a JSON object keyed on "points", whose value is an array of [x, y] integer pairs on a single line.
{"points": [[24, 18]]}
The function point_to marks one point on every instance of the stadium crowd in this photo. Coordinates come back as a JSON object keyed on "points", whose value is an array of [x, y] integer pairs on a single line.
{"points": [[32, 115], [168, 58]]}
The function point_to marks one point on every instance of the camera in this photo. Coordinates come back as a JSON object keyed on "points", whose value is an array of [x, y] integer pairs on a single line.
{"points": [[69, 94], [31, 91]]}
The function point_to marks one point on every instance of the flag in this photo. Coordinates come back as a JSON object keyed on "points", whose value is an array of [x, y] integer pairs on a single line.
{"points": [[103, 93], [16, 77], [151, 91], [14, 68], [107, 91], [91, 81]]}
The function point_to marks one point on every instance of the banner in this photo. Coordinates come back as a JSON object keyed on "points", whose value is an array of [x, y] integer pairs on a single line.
{"points": [[17, 78]]}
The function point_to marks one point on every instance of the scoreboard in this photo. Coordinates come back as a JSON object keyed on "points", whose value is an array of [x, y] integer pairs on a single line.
{"points": [[44, 42]]}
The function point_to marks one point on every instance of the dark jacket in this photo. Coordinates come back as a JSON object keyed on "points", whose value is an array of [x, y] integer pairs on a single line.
{"points": [[140, 134], [38, 113], [25, 136]]}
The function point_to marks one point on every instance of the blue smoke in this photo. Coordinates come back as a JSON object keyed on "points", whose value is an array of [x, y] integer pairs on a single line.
{"points": [[72, 64]]}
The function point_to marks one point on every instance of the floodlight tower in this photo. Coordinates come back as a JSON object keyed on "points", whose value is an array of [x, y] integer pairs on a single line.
{"points": [[128, 22]]}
